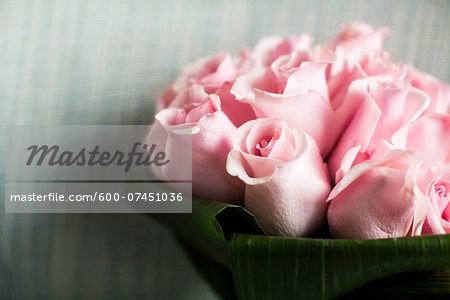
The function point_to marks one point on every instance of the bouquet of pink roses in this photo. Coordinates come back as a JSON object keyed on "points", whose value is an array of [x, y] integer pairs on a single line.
{"points": [[308, 137]]}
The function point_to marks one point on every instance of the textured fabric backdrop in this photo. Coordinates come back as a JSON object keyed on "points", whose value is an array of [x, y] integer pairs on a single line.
{"points": [[102, 62]]}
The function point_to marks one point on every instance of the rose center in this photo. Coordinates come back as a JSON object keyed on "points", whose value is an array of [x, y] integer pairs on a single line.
{"points": [[443, 199], [441, 191], [265, 146], [264, 143]]}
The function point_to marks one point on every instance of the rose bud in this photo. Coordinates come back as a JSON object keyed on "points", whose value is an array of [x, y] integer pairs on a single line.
{"points": [[378, 199], [211, 132], [286, 180]]}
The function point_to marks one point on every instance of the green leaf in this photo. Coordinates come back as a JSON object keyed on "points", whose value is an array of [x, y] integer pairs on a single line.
{"points": [[267, 267], [414, 285], [293, 268], [209, 225]]}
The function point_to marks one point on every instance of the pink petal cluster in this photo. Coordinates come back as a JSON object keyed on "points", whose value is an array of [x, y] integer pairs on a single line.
{"points": [[304, 136]]}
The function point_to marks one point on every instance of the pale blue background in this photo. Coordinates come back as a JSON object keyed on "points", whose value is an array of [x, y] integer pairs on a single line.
{"points": [[101, 62]]}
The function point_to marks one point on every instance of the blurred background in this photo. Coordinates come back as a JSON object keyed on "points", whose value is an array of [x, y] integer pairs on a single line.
{"points": [[103, 62]]}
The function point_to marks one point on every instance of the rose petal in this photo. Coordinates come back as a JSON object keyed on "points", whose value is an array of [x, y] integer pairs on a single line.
{"points": [[358, 35], [378, 204], [439, 92], [307, 111], [283, 149], [270, 48], [193, 94], [237, 111], [211, 72], [301, 71], [430, 134], [263, 80]]}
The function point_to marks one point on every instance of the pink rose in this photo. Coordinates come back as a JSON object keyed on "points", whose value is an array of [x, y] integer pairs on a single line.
{"points": [[438, 91], [211, 132], [270, 48], [303, 70], [210, 72], [356, 65], [430, 135], [238, 112], [286, 180], [356, 36], [373, 118], [436, 184], [378, 199], [358, 55], [294, 88]]}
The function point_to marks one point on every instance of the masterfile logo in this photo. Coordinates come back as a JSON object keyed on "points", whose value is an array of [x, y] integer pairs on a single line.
{"points": [[92, 169], [53, 156]]}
